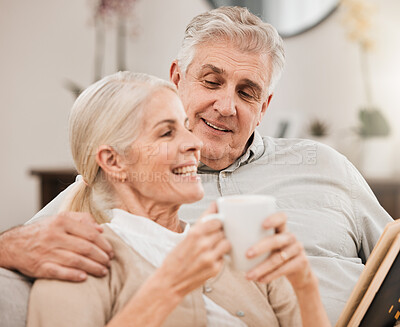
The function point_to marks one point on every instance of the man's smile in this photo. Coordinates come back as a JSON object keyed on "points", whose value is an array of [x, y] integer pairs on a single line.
{"points": [[215, 127]]}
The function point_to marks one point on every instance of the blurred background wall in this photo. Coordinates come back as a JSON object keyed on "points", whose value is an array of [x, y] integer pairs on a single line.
{"points": [[44, 43]]}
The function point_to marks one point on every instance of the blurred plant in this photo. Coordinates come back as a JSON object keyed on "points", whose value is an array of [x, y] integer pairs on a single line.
{"points": [[373, 123], [112, 14], [358, 22], [318, 128]]}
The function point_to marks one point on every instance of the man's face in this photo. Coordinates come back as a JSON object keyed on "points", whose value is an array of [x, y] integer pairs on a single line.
{"points": [[225, 95]]}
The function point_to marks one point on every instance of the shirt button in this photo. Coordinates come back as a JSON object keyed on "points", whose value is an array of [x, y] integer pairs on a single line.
{"points": [[207, 289], [224, 173], [240, 313]]}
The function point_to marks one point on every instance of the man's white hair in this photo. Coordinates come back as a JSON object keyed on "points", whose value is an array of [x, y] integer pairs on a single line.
{"points": [[234, 24]]}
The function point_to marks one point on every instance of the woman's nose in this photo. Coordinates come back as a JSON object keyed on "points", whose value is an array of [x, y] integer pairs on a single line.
{"points": [[191, 143]]}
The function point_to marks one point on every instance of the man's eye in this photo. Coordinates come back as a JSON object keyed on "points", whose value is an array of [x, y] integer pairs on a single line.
{"points": [[246, 95], [167, 134], [211, 83]]}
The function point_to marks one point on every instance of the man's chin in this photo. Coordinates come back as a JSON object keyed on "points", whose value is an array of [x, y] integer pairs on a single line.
{"points": [[217, 158]]}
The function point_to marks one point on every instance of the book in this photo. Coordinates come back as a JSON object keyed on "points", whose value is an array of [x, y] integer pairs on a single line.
{"points": [[375, 299]]}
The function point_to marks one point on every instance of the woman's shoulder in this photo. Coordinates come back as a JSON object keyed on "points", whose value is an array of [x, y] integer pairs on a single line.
{"points": [[126, 260]]}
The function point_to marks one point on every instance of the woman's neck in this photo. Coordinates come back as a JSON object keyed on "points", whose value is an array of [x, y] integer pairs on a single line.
{"points": [[164, 214]]}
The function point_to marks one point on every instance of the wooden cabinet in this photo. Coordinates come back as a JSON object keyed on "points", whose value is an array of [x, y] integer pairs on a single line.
{"points": [[388, 193], [52, 182]]}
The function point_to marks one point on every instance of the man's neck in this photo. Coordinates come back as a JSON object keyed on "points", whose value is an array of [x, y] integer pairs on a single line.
{"points": [[216, 164], [226, 161]]}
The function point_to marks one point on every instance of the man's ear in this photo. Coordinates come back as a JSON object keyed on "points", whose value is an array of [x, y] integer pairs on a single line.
{"points": [[264, 108], [175, 73], [111, 163]]}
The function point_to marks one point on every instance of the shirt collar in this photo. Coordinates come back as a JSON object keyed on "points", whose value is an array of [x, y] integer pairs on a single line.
{"points": [[253, 152], [145, 227]]}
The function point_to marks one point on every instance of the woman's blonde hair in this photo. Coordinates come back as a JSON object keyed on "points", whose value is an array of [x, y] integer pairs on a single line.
{"points": [[109, 112]]}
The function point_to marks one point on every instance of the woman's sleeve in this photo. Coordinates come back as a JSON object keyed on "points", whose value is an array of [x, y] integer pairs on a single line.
{"points": [[59, 303], [284, 302]]}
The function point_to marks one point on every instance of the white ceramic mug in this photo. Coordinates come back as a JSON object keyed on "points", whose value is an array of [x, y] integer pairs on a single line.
{"points": [[242, 217]]}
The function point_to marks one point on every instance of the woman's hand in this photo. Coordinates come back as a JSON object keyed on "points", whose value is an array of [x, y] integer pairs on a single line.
{"points": [[287, 256], [198, 257], [288, 259]]}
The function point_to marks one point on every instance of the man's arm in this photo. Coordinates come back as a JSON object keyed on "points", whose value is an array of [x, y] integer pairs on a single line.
{"points": [[370, 217], [65, 246]]}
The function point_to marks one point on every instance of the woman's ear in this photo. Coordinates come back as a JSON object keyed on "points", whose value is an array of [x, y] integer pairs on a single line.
{"points": [[111, 162]]}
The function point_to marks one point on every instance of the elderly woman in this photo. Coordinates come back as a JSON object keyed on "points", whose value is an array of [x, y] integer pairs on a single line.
{"points": [[138, 161]]}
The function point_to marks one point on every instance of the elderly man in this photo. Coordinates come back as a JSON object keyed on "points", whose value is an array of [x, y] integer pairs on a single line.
{"points": [[226, 70]]}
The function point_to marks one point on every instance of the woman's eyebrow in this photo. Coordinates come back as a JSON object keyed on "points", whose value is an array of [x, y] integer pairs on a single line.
{"points": [[168, 121]]}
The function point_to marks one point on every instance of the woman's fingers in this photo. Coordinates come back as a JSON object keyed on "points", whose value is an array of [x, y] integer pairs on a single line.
{"points": [[296, 265], [223, 247], [271, 243], [277, 221], [289, 261], [211, 209], [198, 258], [275, 260]]}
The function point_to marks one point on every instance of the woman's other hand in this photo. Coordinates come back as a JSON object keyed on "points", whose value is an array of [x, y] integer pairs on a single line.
{"points": [[288, 259], [287, 256]]}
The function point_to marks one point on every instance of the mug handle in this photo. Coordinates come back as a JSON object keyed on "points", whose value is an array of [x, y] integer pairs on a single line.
{"points": [[211, 216]]}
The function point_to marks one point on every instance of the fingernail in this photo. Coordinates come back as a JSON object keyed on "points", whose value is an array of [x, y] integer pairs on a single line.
{"points": [[250, 275], [250, 253], [111, 255], [104, 271], [82, 276], [266, 224]]}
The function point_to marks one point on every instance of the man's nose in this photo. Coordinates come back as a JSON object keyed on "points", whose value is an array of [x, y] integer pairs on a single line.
{"points": [[226, 104]]}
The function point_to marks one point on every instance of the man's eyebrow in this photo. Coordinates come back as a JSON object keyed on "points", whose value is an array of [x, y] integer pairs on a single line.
{"points": [[169, 121], [215, 69]]}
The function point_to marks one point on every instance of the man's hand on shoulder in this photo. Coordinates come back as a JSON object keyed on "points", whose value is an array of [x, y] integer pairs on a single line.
{"points": [[67, 246]]}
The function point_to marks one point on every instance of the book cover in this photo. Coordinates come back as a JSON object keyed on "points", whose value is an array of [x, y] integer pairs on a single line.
{"points": [[374, 300]]}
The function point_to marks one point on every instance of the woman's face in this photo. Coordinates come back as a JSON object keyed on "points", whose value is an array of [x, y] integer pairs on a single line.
{"points": [[162, 162]]}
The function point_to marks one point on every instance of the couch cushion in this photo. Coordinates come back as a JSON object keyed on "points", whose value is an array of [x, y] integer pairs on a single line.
{"points": [[14, 297]]}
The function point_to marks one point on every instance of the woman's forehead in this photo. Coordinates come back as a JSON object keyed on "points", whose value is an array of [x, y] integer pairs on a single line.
{"points": [[164, 104]]}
